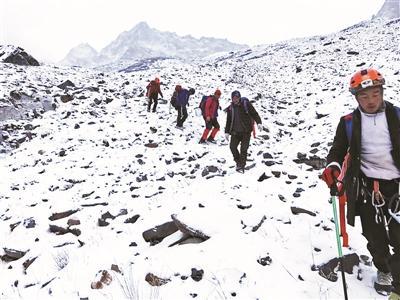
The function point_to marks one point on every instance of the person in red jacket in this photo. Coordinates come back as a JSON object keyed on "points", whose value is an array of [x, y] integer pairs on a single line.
{"points": [[153, 89], [210, 117]]}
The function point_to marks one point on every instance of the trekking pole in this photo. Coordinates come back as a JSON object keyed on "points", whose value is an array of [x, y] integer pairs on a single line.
{"points": [[334, 194]]}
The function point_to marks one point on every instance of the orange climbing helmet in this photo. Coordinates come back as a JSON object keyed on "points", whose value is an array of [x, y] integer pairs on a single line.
{"points": [[364, 79]]}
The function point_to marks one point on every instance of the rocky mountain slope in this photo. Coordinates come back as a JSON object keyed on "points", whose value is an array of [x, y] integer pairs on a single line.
{"points": [[94, 179]]}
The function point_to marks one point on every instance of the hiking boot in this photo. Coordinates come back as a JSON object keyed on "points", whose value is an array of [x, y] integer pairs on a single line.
{"points": [[202, 141], [383, 283], [211, 140], [394, 296]]}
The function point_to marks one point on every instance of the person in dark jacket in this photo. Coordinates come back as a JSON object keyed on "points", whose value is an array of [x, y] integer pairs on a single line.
{"points": [[153, 89], [210, 117], [182, 101], [240, 119], [371, 136]]}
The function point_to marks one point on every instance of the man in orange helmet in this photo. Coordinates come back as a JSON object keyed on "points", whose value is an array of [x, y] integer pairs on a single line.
{"points": [[371, 136]]}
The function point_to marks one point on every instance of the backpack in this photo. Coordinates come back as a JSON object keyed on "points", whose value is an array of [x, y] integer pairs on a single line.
{"points": [[202, 104], [173, 99], [348, 119], [245, 102], [151, 88]]}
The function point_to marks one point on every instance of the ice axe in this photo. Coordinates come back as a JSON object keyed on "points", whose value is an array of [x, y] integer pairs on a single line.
{"points": [[334, 194]]}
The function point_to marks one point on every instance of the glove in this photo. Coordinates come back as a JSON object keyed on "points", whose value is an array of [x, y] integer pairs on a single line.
{"points": [[260, 127], [330, 175], [227, 136]]}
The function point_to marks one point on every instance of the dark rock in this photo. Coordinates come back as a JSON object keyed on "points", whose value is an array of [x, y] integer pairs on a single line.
{"points": [[12, 254], [15, 95], [20, 57], [66, 98], [277, 174], [353, 53], [60, 230], [73, 222], [197, 275], [311, 53], [269, 163], [267, 156], [28, 262], [315, 145], [66, 84], [132, 220], [329, 270], [151, 145], [297, 210], [29, 223], [158, 233], [61, 215], [265, 261], [189, 230], [154, 280]]}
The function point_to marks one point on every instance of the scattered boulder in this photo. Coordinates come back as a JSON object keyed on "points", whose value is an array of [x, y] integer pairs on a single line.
{"points": [[329, 270], [12, 254], [61, 215], [298, 210], [154, 280], [18, 56], [104, 278], [187, 229], [66, 98], [197, 275], [265, 261], [66, 84], [158, 233]]}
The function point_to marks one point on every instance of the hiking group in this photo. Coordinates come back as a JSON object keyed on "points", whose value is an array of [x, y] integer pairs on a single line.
{"points": [[241, 116], [367, 142]]}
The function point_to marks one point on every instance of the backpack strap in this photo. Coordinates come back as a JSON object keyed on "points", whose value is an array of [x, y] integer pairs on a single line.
{"points": [[348, 119], [245, 103], [397, 111]]}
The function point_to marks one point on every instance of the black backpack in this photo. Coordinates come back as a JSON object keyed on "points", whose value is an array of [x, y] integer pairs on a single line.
{"points": [[173, 99]]}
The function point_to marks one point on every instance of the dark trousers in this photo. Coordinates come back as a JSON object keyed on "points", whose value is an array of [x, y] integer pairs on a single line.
{"points": [[242, 138], [152, 98], [375, 233], [182, 115]]}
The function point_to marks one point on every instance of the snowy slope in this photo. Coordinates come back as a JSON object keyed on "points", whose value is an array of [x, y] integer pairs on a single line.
{"points": [[91, 156]]}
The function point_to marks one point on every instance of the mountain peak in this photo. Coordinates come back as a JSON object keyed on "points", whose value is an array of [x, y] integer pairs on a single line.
{"points": [[390, 10], [141, 26]]}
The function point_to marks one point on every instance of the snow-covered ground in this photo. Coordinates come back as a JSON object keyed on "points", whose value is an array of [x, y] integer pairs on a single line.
{"points": [[91, 156]]}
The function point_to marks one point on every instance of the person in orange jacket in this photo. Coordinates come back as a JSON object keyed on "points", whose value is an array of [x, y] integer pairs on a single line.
{"points": [[210, 116], [153, 89]]}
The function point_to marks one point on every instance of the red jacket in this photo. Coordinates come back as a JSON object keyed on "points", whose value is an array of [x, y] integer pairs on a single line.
{"points": [[211, 109]]}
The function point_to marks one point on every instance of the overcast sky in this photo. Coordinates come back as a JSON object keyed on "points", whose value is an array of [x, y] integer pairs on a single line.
{"points": [[48, 29]]}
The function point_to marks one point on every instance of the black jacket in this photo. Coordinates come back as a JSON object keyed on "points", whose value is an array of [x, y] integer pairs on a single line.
{"points": [[341, 145], [246, 118]]}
